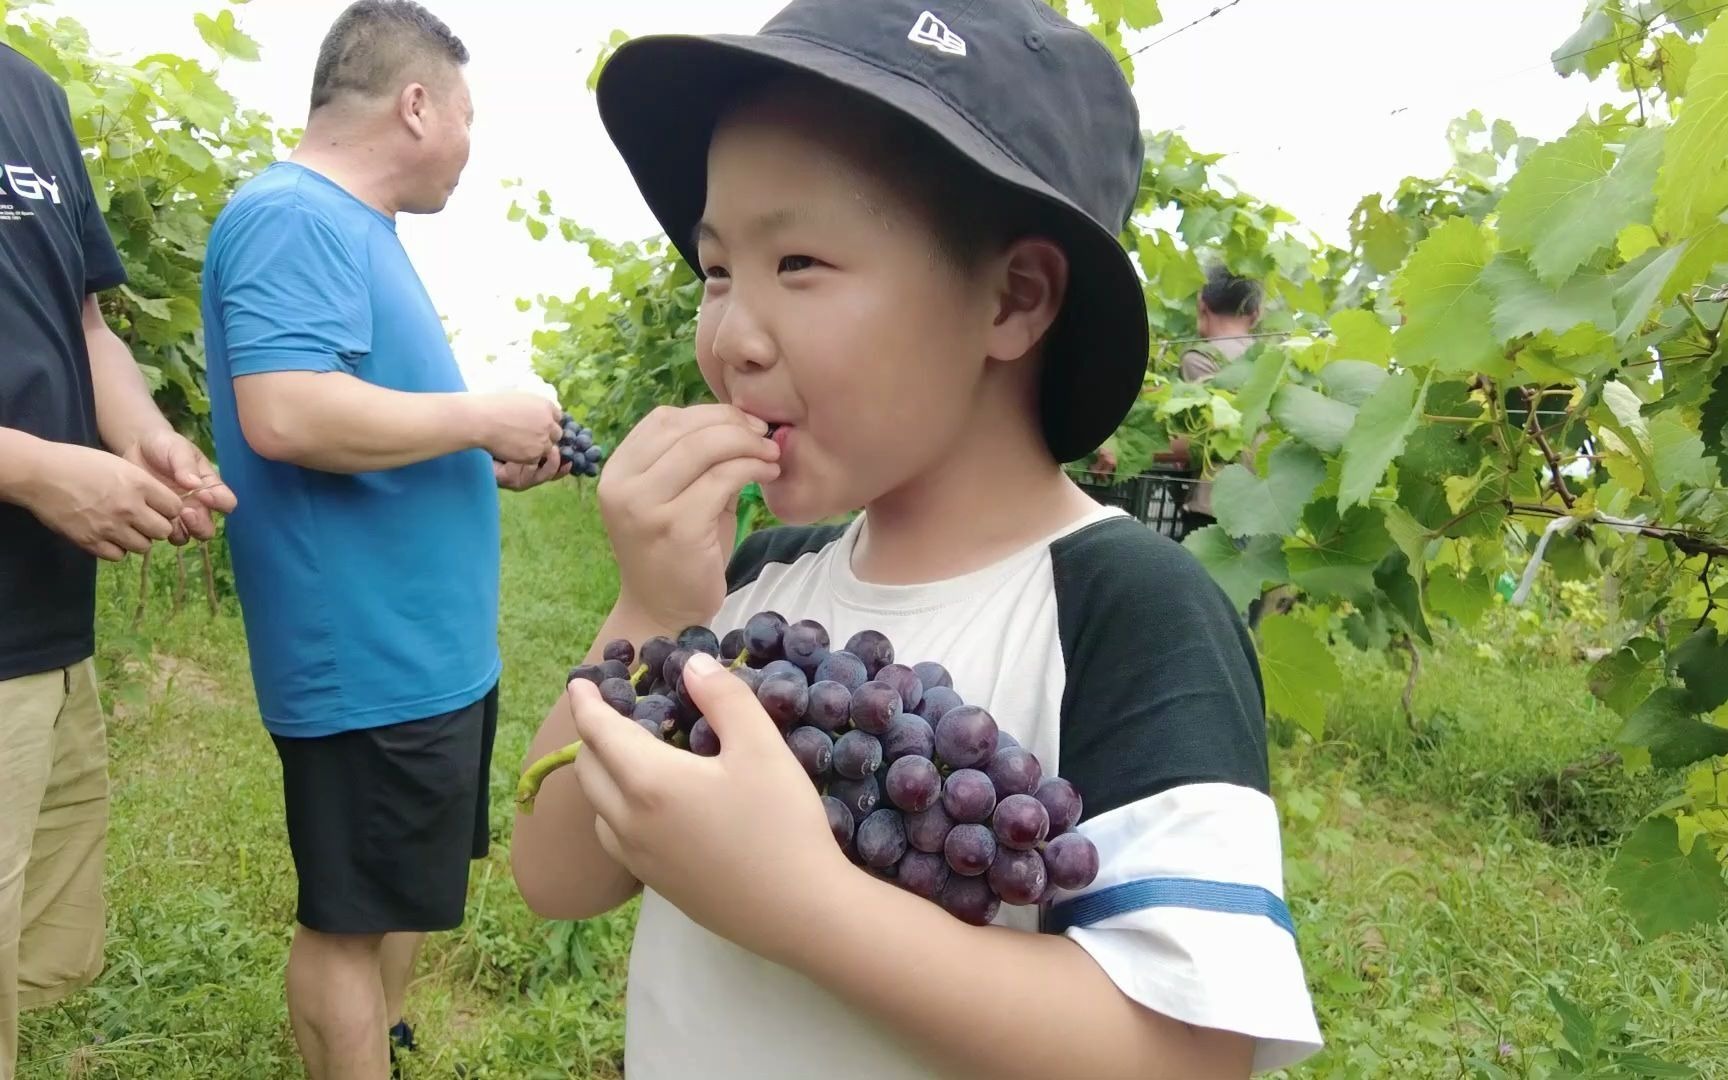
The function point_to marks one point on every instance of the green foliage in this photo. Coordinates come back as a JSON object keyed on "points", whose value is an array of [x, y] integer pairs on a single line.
{"points": [[166, 147]]}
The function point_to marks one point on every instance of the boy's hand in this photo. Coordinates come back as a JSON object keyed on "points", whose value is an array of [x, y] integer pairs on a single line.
{"points": [[669, 499], [738, 842]]}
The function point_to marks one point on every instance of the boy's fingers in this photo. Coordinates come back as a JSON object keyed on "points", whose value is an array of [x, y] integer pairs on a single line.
{"points": [[620, 746], [728, 703], [662, 429], [697, 455], [717, 492]]}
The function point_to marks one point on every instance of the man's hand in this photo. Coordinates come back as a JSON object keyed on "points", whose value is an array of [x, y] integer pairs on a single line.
{"points": [[739, 842], [101, 502], [176, 461], [669, 500], [518, 428], [516, 476]]}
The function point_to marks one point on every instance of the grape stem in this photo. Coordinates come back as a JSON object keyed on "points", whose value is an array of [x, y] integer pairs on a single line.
{"points": [[641, 670], [742, 659], [529, 786]]}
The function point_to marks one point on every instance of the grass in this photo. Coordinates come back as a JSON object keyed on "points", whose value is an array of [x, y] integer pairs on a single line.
{"points": [[1441, 880]]}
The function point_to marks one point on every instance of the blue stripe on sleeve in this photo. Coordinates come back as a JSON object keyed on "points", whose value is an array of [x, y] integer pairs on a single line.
{"points": [[1230, 898]]}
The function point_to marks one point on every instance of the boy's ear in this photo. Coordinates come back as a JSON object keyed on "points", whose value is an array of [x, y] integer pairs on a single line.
{"points": [[1033, 285]]}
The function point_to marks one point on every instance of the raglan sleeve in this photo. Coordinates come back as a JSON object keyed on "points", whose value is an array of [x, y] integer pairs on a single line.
{"points": [[291, 294], [1163, 733]]}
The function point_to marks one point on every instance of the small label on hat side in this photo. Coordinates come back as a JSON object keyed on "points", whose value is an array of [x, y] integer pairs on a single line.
{"points": [[934, 32]]}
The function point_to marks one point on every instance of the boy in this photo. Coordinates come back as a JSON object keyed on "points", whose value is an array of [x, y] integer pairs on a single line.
{"points": [[906, 220]]}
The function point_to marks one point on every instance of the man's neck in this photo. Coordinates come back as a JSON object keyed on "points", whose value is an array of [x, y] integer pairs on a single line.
{"points": [[347, 159], [1237, 328]]}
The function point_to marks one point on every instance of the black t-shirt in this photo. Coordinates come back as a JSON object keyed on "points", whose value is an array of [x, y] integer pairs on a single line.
{"points": [[54, 249]]}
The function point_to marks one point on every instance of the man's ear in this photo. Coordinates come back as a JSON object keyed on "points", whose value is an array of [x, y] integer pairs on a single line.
{"points": [[1032, 284], [411, 107]]}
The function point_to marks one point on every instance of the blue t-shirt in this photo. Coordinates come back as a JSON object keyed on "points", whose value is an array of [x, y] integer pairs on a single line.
{"points": [[368, 598]]}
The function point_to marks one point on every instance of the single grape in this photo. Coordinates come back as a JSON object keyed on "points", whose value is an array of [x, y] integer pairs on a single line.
{"points": [[783, 700], [857, 755], [881, 838], [1072, 860], [784, 669], [908, 734], [673, 669], [913, 784], [1014, 771], [968, 796], [652, 727], [567, 454], [928, 831], [922, 873], [830, 706], [874, 707], [749, 676], [938, 701], [1062, 801], [762, 632], [843, 668], [932, 675], [703, 740], [619, 694], [969, 849], [873, 648], [813, 749], [969, 899], [593, 454], [657, 710], [591, 672], [860, 796], [806, 644], [699, 639], [614, 669], [731, 645], [839, 820], [901, 678], [582, 440], [965, 737], [687, 710], [1018, 877], [654, 653], [1021, 822], [1005, 740], [620, 650]]}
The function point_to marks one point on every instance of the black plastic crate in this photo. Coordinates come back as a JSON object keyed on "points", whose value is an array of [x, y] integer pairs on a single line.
{"points": [[1155, 498]]}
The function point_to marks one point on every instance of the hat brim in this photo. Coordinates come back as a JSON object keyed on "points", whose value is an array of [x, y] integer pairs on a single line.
{"points": [[660, 98]]}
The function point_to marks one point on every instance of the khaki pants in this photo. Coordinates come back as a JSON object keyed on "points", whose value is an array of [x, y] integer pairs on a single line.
{"points": [[53, 832]]}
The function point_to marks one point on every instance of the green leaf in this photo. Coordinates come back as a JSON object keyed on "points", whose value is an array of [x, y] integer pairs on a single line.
{"points": [[156, 309], [1524, 305], [1244, 571], [1693, 186], [1256, 391], [1383, 236], [1299, 673], [1664, 890], [1339, 555], [1667, 724], [1449, 312], [1503, 138], [1351, 381], [1463, 598], [1583, 50], [1360, 335], [1248, 505], [1312, 417], [1385, 420], [1713, 419], [537, 228], [1139, 14], [1678, 453], [1701, 661], [1572, 198], [1403, 593], [1624, 678], [222, 35], [1639, 285]]}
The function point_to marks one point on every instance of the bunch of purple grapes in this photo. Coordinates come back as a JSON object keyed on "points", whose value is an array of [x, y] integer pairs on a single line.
{"points": [[577, 447], [920, 788]]}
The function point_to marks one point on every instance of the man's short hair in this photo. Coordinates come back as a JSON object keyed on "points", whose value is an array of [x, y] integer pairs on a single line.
{"points": [[373, 44], [1227, 294]]}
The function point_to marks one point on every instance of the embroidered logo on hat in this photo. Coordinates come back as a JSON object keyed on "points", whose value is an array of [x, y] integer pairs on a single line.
{"points": [[934, 32]]}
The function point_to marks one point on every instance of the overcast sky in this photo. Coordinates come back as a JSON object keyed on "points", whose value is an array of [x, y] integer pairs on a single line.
{"points": [[1316, 102]]}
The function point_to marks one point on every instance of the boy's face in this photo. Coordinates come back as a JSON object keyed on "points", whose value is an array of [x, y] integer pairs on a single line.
{"points": [[830, 310]]}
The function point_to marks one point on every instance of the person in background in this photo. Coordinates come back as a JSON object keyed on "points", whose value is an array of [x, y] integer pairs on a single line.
{"points": [[366, 553], [1228, 309], [89, 469]]}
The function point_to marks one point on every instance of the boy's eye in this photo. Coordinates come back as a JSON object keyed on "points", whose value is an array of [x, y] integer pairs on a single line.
{"points": [[792, 263], [714, 271]]}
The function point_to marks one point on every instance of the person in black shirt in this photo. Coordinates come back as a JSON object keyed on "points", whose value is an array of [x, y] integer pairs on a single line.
{"points": [[89, 469]]}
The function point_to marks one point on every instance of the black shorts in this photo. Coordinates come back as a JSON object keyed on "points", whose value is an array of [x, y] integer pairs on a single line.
{"points": [[383, 822]]}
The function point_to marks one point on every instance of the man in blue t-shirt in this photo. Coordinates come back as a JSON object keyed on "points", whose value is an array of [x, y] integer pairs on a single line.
{"points": [[366, 544]]}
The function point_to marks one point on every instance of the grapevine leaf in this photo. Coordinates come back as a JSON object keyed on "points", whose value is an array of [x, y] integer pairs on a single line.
{"points": [[1351, 381], [1256, 392], [1242, 571], [1693, 186], [222, 35], [1248, 505], [1409, 534], [1678, 453], [1667, 724], [1625, 677], [1360, 335], [1503, 136], [1639, 285], [1299, 672], [1312, 417], [1449, 312], [1385, 420], [1139, 14], [1524, 305], [1339, 555], [1384, 236], [1665, 890], [1701, 661], [1714, 418], [1586, 49], [1572, 198], [1403, 593], [1463, 598]]}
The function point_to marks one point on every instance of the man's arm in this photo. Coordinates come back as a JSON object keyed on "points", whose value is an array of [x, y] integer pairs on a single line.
{"points": [[335, 422], [125, 413]]}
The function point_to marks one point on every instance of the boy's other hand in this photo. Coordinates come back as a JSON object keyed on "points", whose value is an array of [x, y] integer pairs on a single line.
{"points": [[738, 842], [669, 500]]}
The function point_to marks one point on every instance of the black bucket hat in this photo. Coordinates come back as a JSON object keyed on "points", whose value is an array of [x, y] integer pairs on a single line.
{"points": [[1029, 98]]}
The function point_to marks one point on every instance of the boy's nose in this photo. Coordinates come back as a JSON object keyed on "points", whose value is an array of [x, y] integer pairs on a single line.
{"points": [[741, 341]]}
